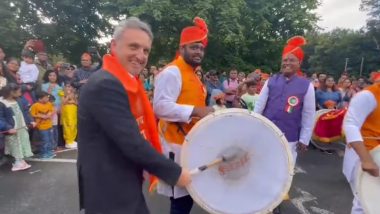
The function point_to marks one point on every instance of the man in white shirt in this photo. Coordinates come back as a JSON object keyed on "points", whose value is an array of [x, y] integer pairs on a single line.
{"points": [[179, 102], [28, 70], [362, 122]]}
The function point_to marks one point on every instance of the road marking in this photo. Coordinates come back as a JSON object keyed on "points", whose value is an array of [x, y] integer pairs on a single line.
{"points": [[307, 197], [64, 150], [57, 160], [298, 169], [32, 172], [320, 211]]}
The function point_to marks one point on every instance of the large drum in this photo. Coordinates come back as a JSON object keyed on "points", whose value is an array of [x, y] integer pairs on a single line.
{"points": [[368, 187], [328, 131], [256, 180]]}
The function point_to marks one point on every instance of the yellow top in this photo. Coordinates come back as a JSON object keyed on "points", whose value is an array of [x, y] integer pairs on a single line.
{"points": [[38, 111]]}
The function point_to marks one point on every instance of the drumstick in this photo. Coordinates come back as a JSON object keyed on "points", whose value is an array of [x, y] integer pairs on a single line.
{"points": [[4, 132], [232, 154]]}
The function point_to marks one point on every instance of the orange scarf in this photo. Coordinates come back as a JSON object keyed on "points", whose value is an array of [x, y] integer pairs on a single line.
{"points": [[141, 108]]}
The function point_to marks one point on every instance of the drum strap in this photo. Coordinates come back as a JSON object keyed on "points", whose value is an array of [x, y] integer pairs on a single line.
{"points": [[180, 128]]}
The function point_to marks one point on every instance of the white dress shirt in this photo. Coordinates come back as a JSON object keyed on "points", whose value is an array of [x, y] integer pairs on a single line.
{"points": [[308, 111], [167, 88], [28, 72], [361, 106], [168, 85]]}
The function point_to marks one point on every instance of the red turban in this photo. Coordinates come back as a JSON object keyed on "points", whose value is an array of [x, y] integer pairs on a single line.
{"points": [[35, 45], [196, 33], [293, 46]]}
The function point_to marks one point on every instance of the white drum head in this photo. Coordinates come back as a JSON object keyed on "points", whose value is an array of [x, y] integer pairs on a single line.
{"points": [[368, 187], [255, 182]]}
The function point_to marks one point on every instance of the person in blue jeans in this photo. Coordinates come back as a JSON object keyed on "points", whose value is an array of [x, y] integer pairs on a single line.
{"points": [[42, 111]]}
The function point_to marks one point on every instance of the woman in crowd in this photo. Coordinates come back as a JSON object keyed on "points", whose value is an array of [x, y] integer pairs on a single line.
{"points": [[11, 74], [52, 87], [328, 96], [241, 77], [69, 115], [347, 92]]}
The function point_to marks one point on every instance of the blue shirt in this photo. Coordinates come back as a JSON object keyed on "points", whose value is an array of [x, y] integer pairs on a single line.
{"points": [[323, 96], [210, 87], [54, 92]]}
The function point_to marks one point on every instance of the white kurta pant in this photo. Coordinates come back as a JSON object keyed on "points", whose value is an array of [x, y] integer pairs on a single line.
{"points": [[351, 164], [163, 188], [293, 149]]}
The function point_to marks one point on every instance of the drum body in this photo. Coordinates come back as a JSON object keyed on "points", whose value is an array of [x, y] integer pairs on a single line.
{"points": [[368, 187], [255, 182], [327, 131]]}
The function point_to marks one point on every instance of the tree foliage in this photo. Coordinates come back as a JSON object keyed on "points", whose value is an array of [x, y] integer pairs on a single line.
{"points": [[66, 26], [243, 33], [328, 52]]}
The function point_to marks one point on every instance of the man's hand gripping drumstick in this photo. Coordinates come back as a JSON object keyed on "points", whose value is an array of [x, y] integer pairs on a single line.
{"points": [[232, 154]]}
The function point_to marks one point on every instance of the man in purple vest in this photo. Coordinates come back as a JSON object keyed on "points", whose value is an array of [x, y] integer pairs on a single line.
{"points": [[288, 99]]}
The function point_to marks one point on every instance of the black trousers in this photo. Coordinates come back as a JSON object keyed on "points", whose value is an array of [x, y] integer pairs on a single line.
{"points": [[181, 205]]}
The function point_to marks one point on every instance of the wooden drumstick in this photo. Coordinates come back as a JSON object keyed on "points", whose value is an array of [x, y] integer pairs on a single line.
{"points": [[232, 154]]}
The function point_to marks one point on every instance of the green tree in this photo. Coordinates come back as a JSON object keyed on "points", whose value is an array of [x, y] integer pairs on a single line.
{"points": [[328, 52], [373, 23], [243, 33], [67, 27]]}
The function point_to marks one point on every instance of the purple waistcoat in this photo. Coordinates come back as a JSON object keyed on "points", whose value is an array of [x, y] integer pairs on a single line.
{"points": [[276, 109]]}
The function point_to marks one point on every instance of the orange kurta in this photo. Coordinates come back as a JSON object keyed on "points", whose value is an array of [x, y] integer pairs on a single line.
{"points": [[192, 93], [371, 126]]}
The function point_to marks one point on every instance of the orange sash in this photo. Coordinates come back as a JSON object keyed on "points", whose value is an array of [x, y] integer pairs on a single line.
{"points": [[140, 105]]}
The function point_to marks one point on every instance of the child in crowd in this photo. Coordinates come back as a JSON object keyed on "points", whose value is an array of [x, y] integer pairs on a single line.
{"points": [[54, 120], [6, 121], [220, 102], [17, 142], [251, 96], [69, 115], [43, 111], [28, 70]]}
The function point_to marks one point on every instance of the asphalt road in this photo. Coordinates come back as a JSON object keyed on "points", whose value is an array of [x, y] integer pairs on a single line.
{"points": [[51, 188]]}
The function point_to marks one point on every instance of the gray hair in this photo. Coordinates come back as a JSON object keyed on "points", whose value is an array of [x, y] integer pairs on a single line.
{"points": [[131, 23]]}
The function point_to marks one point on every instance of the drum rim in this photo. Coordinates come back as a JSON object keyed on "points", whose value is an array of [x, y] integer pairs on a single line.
{"points": [[358, 185], [271, 125]]}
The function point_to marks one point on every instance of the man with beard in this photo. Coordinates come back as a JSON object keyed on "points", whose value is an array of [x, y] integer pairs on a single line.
{"points": [[179, 102], [288, 100]]}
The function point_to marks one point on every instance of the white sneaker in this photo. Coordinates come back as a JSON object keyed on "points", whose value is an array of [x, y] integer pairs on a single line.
{"points": [[21, 166], [73, 145]]}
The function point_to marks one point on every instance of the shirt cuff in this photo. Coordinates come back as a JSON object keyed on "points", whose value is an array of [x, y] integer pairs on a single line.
{"points": [[186, 111]]}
